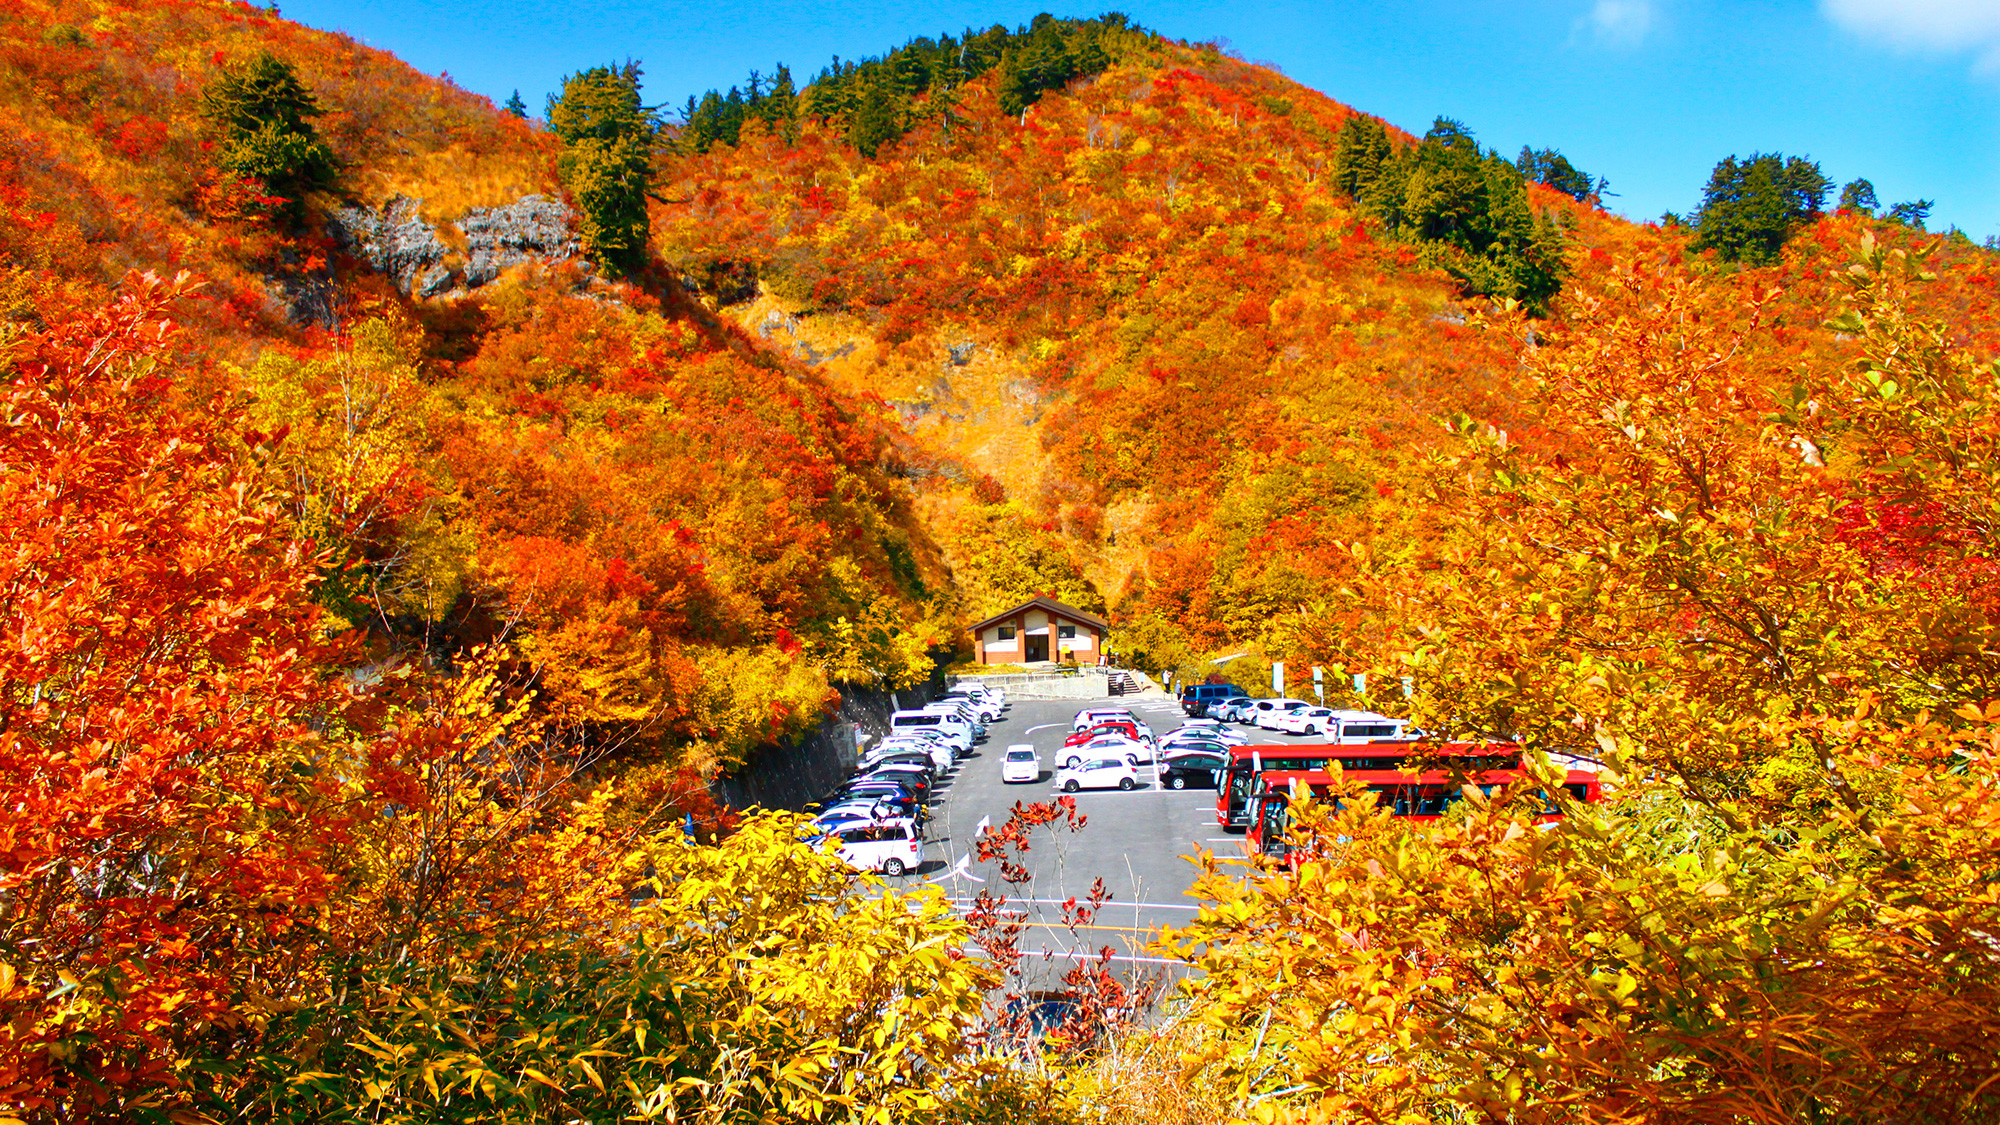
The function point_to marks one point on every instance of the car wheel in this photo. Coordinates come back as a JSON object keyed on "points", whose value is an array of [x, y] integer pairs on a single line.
{"points": [[1177, 782], [1126, 783], [1074, 762], [1069, 786], [1312, 729], [892, 867]]}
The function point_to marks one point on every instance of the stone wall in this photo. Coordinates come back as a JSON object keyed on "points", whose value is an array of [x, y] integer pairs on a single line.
{"points": [[790, 777]]}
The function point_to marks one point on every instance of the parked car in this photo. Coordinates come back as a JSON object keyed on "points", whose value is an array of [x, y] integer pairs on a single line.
{"points": [[901, 756], [1230, 710], [1367, 726], [1021, 764], [947, 725], [940, 752], [987, 711], [1098, 773], [873, 786], [918, 781], [1132, 731], [928, 737], [1196, 699], [1108, 746], [1192, 744], [1304, 720], [1196, 770], [888, 799], [1208, 728], [1265, 712], [1091, 716], [960, 711], [890, 846]]}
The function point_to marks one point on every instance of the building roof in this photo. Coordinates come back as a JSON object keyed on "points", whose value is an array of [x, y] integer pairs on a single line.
{"points": [[1043, 601]]}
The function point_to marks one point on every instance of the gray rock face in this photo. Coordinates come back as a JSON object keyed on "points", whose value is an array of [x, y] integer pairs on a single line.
{"points": [[397, 242], [533, 227]]}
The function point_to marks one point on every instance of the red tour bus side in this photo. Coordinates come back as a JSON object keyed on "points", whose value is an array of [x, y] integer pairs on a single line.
{"points": [[1423, 796]]}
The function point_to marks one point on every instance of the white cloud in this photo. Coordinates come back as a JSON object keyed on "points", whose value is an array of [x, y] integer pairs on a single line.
{"points": [[1619, 23], [1940, 25]]}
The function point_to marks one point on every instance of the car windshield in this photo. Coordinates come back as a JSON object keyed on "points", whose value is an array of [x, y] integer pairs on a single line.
{"points": [[1021, 756]]}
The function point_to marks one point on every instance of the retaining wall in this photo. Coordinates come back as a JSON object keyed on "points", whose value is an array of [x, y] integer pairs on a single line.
{"points": [[788, 777]]}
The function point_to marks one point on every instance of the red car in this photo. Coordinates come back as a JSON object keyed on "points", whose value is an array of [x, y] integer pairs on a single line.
{"points": [[1112, 727]]}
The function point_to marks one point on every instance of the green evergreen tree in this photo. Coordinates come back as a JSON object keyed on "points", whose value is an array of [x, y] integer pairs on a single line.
{"points": [[264, 114], [1912, 214], [1360, 148], [516, 106], [1858, 195], [1750, 208], [607, 162], [1550, 168], [878, 121]]}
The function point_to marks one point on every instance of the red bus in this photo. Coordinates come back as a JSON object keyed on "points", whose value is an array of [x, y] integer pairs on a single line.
{"points": [[1234, 788], [1415, 796], [1237, 784]]}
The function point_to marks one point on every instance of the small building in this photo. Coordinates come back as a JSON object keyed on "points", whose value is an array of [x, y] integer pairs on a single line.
{"points": [[1040, 629]]}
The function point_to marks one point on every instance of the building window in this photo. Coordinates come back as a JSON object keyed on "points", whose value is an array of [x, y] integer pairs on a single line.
{"points": [[1006, 632], [1066, 632]]}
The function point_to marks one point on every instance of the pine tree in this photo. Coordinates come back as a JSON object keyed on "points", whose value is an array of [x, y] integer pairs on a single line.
{"points": [[516, 106], [264, 114], [1858, 195], [1751, 208], [1911, 214], [607, 162], [878, 121], [1360, 148]]}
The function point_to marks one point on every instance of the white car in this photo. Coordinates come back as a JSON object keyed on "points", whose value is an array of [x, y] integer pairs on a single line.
{"points": [[987, 710], [892, 846], [1021, 764], [1367, 726], [1265, 713], [1098, 773], [937, 753], [1305, 720], [1091, 716], [1192, 744], [1207, 728], [1108, 746], [1231, 710], [947, 725]]}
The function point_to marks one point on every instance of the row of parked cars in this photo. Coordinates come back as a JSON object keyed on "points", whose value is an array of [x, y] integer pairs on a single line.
{"points": [[877, 816], [1227, 703], [1111, 748]]}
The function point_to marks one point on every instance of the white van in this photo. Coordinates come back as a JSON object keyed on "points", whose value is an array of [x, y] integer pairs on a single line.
{"points": [[1365, 726], [1265, 712], [892, 846], [951, 726]]}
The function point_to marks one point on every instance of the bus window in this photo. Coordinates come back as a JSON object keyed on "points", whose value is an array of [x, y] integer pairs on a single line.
{"points": [[1433, 801]]}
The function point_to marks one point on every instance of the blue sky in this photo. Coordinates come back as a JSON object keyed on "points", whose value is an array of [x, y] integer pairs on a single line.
{"points": [[1650, 93]]}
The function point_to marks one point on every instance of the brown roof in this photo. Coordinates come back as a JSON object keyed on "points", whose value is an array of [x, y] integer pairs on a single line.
{"points": [[1048, 603]]}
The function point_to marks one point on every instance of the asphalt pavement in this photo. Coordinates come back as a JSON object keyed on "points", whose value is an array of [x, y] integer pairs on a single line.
{"points": [[1139, 842]]}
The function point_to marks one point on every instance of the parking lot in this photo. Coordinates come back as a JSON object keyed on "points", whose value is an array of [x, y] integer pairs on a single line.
{"points": [[1137, 841]]}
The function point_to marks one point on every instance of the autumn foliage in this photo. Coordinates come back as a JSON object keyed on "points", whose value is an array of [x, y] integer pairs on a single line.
{"points": [[365, 661]]}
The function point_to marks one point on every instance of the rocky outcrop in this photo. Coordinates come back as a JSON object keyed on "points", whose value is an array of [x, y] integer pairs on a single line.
{"points": [[397, 242], [532, 228]]}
